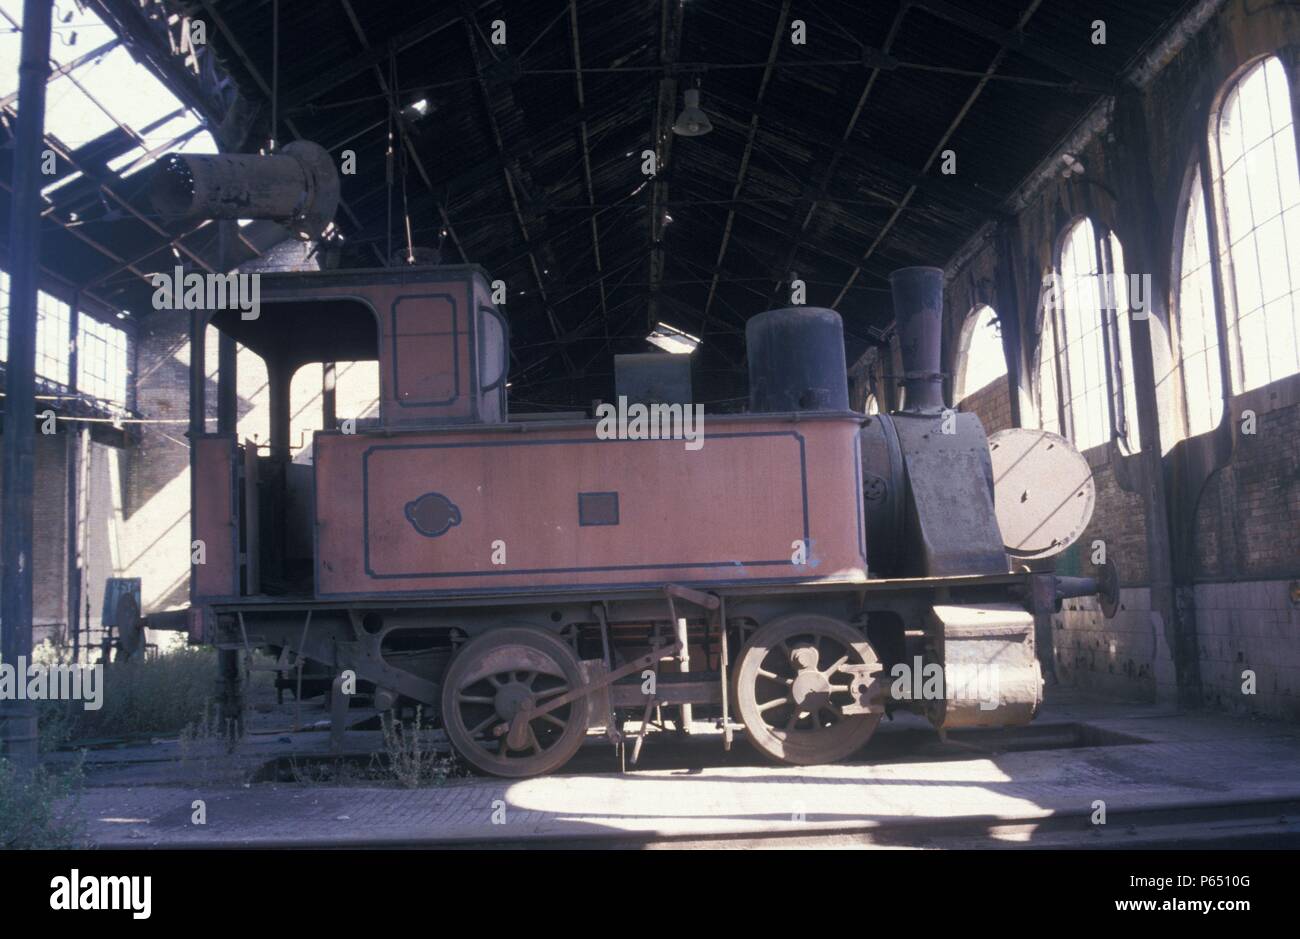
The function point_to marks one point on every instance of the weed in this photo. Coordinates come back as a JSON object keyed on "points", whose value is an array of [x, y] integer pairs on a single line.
{"points": [[31, 813], [212, 747]]}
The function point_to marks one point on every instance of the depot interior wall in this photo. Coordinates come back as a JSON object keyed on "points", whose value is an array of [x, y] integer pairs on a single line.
{"points": [[1224, 590], [49, 535]]}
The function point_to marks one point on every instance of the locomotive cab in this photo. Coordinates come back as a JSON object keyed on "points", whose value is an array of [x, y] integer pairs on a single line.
{"points": [[441, 352]]}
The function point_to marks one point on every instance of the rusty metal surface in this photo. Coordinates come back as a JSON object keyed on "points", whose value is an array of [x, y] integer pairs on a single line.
{"points": [[298, 187], [884, 492], [215, 517], [1043, 491], [435, 332], [918, 320], [653, 377], [991, 674], [796, 360], [951, 528], [729, 512]]}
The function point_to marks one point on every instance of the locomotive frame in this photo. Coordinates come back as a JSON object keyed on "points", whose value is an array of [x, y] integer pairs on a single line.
{"points": [[520, 673]]}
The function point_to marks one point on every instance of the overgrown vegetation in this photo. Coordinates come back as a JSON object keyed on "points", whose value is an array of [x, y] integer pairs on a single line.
{"points": [[212, 747], [31, 816], [412, 761], [171, 694], [159, 695], [409, 760]]}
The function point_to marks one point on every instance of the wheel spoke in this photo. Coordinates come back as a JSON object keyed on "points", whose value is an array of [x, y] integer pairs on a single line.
{"points": [[836, 667], [508, 702], [807, 717]]}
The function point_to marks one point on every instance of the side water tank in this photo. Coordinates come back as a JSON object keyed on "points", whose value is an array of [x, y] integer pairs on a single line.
{"points": [[796, 361]]}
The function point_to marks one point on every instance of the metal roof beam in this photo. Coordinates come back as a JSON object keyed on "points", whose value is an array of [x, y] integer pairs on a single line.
{"points": [[256, 75], [373, 56], [586, 158], [467, 18], [150, 37], [406, 138], [837, 154], [670, 39], [1015, 40], [938, 148], [744, 159]]}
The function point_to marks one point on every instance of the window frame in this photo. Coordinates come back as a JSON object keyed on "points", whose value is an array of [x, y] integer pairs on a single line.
{"points": [[1213, 170], [1113, 369], [1196, 183], [970, 329]]}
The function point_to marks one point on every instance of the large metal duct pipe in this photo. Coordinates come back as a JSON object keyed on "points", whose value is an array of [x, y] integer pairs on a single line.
{"points": [[918, 321], [297, 187]]}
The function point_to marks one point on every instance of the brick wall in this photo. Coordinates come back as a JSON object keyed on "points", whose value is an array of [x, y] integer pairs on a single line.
{"points": [[1249, 625], [1128, 656], [106, 555], [156, 510], [992, 404], [1247, 559], [49, 532], [1125, 657], [1248, 517]]}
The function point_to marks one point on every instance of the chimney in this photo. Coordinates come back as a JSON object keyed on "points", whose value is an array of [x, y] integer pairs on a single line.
{"points": [[918, 319]]}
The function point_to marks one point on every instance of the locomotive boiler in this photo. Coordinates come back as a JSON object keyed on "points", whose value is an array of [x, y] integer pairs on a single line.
{"points": [[799, 573]]}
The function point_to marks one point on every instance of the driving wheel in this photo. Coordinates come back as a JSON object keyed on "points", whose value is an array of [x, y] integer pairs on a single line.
{"points": [[490, 679], [793, 684]]}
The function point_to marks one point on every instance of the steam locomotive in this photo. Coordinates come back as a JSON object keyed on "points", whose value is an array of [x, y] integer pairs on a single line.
{"points": [[533, 580]]}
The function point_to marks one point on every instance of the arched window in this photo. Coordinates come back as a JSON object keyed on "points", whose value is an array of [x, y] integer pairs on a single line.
{"points": [[1258, 194], [872, 406], [1083, 341], [1195, 330], [1085, 356], [982, 358]]}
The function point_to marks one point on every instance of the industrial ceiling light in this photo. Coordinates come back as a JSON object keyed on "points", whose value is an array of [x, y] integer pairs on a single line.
{"points": [[416, 110], [672, 339], [692, 122]]}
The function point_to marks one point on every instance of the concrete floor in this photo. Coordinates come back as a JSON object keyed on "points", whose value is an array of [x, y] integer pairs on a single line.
{"points": [[1164, 778]]}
